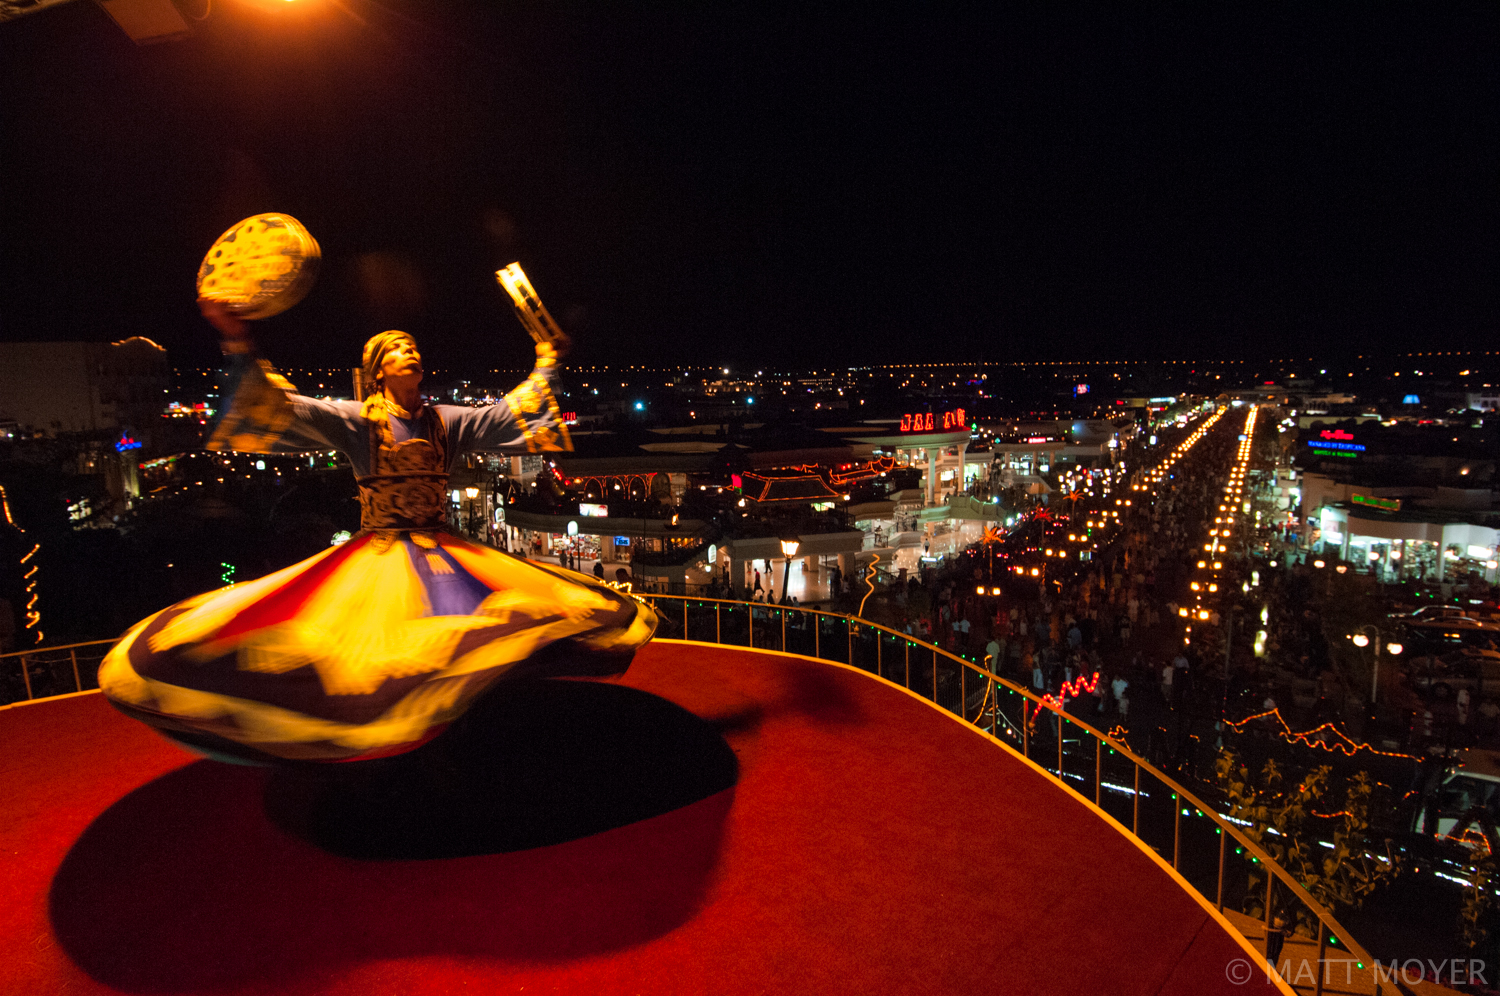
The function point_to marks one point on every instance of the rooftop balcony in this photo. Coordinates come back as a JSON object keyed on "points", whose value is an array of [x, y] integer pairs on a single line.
{"points": [[768, 801]]}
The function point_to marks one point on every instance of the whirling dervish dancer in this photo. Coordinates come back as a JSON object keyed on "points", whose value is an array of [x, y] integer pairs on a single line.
{"points": [[370, 648]]}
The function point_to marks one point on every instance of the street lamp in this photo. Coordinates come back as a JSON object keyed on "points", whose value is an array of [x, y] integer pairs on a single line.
{"points": [[471, 493], [1362, 639], [789, 547]]}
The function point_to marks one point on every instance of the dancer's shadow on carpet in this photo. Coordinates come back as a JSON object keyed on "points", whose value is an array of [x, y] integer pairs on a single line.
{"points": [[537, 763], [216, 875]]}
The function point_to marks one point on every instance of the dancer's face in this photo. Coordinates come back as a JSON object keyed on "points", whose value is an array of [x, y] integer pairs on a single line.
{"points": [[402, 360]]}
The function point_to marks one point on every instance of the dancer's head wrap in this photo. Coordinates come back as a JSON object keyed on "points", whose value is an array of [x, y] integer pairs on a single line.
{"points": [[377, 348]]}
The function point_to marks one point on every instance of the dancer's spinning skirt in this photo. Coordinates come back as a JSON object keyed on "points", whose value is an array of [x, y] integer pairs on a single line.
{"points": [[367, 649]]}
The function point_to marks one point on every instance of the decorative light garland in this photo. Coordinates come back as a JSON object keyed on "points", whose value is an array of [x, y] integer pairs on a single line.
{"points": [[33, 615], [869, 580], [1072, 690], [1344, 745]]}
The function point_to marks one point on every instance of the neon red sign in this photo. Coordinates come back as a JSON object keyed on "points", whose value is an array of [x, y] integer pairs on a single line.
{"points": [[570, 418], [934, 422], [1335, 434]]}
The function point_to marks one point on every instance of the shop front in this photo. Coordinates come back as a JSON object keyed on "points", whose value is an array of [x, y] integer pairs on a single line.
{"points": [[1407, 545]]}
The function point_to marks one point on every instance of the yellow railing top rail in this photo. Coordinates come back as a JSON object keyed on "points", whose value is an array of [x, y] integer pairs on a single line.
{"points": [[64, 646]]}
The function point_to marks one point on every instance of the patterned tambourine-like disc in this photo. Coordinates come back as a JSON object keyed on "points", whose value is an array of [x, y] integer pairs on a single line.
{"points": [[260, 267]]}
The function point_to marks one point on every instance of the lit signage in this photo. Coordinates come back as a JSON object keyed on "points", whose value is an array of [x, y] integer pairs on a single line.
{"points": [[1384, 504], [1335, 434], [934, 422], [126, 443], [570, 418], [1080, 389], [598, 511], [1411, 399], [1322, 447]]}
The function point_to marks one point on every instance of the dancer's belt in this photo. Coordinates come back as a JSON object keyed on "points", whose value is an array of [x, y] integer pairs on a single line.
{"points": [[410, 500]]}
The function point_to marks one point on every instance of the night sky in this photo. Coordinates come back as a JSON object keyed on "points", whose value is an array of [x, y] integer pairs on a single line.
{"points": [[770, 185]]}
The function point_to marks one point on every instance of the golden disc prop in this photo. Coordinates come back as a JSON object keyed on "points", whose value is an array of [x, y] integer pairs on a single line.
{"points": [[260, 267]]}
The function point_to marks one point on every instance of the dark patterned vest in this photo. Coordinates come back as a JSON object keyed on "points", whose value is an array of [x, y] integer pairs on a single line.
{"points": [[407, 487]]}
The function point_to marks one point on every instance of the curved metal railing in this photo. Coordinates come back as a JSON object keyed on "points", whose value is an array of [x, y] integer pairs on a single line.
{"points": [[1208, 850], [47, 672], [1125, 785]]}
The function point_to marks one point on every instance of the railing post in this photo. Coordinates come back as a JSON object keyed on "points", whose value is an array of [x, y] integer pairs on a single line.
{"points": [[1223, 841], [849, 632], [934, 675], [718, 623], [1059, 746], [750, 613], [77, 681], [817, 636], [908, 664], [1098, 768], [1025, 729], [1322, 953], [26, 676], [1176, 829], [879, 669], [1135, 812], [783, 629], [963, 692], [684, 619]]}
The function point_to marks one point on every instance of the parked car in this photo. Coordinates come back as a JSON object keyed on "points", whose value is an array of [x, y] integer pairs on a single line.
{"points": [[1473, 782], [1434, 613], [1473, 668]]}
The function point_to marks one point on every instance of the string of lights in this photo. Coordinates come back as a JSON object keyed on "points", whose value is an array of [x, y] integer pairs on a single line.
{"points": [[1318, 736], [31, 613], [1072, 690]]}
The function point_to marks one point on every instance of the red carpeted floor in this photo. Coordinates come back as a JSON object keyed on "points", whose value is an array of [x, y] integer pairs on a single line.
{"points": [[870, 845]]}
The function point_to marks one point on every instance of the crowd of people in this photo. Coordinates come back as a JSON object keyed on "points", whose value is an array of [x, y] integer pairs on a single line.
{"points": [[1113, 620]]}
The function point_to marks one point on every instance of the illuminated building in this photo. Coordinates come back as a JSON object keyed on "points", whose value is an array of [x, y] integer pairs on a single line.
{"points": [[53, 387]]}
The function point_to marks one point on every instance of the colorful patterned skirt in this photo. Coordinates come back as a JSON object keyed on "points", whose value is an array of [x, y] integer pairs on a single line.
{"points": [[366, 649]]}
